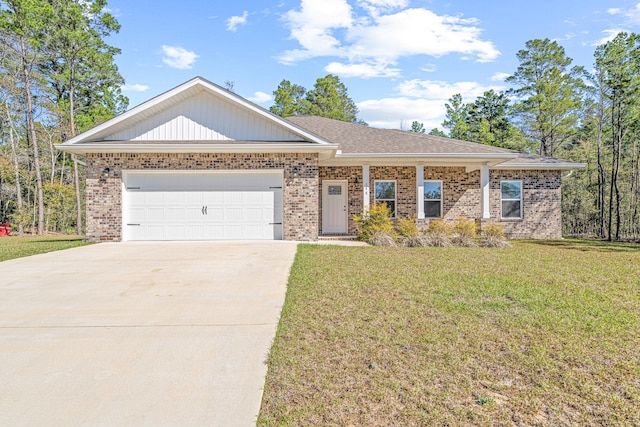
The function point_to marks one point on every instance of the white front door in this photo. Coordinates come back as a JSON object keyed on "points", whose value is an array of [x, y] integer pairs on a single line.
{"points": [[334, 207]]}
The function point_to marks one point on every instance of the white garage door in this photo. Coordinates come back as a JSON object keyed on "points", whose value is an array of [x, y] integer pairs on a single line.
{"points": [[202, 206]]}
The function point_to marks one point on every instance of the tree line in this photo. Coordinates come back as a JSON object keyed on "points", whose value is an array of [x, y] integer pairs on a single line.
{"points": [[57, 78], [556, 109]]}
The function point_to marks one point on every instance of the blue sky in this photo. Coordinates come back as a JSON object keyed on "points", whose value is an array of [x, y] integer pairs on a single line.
{"points": [[400, 59]]}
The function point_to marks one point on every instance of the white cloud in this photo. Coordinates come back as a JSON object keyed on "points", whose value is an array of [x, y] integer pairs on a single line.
{"points": [[608, 36], [134, 88], [439, 90], [499, 77], [178, 57], [421, 100], [363, 70], [381, 36], [392, 113], [260, 97], [429, 68], [375, 7], [235, 21], [614, 11], [312, 26], [633, 14]]}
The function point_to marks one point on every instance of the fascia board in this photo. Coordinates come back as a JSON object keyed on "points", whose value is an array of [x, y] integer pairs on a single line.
{"points": [[96, 147], [540, 166]]}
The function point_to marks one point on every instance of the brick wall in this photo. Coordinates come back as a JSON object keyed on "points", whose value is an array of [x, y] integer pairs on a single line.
{"points": [[461, 191], [104, 191], [542, 204]]}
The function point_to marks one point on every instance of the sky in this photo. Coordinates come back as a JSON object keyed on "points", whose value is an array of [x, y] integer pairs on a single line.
{"points": [[401, 60]]}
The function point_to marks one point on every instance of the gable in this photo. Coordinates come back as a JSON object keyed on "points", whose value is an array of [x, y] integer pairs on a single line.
{"points": [[203, 117]]}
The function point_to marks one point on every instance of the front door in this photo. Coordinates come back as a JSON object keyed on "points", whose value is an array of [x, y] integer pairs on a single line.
{"points": [[334, 207]]}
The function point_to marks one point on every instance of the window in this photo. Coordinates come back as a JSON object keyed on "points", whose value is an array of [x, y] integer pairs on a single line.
{"points": [[385, 192], [432, 199], [511, 199]]}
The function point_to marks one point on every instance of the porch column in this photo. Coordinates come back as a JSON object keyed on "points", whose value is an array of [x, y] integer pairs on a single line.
{"points": [[365, 188], [420, 189], [484, 191]]}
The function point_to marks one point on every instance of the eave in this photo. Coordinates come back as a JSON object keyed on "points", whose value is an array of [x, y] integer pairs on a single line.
{"points": [[324, 151], [540, 166], [470, 161]]}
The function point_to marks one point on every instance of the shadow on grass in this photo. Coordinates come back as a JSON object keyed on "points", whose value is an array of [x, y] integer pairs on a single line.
{"points": [[588, 245]]}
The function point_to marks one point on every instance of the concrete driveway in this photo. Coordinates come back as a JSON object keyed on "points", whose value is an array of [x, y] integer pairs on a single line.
{"points": [[145, 334]]}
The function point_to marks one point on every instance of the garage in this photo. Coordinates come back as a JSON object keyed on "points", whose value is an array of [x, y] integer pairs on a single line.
{"points": [[189, 205]]}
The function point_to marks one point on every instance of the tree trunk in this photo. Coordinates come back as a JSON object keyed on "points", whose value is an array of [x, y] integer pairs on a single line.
{"points": [[16, 170], [34, 137], [76, 175], [76, 182], [601, 172]]}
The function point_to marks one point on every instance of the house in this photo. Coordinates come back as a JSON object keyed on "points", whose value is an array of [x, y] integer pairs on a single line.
{"points": [[201, 163]]}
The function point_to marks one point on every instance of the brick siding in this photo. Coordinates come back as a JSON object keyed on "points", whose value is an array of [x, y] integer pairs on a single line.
{"points": [[461, 192], [104, 191]]}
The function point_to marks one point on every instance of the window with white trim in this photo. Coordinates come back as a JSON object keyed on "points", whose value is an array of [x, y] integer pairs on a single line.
{"points": [[432, 199], [385, 192], [511, 199]]}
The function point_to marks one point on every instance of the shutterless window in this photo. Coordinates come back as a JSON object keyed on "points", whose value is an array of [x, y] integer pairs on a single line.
{"points": [[432, 199], [385, 192], [511, 199]]}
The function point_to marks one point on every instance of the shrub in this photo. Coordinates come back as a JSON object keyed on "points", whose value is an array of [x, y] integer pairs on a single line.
{"points": [[438, 234], [416, 241], [380, 238], [495, 242], [377, 219], [493, 230], [465, 232], [407, 227], [494, 237]]}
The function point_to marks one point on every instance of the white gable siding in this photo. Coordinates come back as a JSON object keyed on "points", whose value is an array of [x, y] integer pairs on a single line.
{"points": [[204, 117]]}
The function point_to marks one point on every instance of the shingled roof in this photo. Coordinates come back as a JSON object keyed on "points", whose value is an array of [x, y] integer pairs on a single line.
{"points": [[356, 139]]}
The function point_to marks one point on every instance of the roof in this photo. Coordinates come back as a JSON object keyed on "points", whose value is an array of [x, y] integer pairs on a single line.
{"points": [[364, 141], [354, 138]]}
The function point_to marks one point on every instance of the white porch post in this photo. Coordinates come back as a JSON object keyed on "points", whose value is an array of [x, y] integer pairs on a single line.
{"points": [[484, 191], [420, 189], [365, 188]]}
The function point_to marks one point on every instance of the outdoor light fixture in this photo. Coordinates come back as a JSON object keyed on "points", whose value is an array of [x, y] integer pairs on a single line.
{"points": [[295, 171], [356, 182], [106, 171]]}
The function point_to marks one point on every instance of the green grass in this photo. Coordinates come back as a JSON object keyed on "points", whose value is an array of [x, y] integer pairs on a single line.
{"points": [[20, 246], [544, 333]]}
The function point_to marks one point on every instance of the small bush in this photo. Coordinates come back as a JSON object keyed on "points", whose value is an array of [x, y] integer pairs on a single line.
{"points": [[495, 242], [380, 238], [493, 230], [494, 237], [416, 241], [464, 232], [407, 227], [439, 240], [377, 219], [465, 227], [438, 234], [439, 226]]}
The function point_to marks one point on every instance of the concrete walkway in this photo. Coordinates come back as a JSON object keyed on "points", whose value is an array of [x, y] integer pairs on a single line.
{"points": [[144, 334]]}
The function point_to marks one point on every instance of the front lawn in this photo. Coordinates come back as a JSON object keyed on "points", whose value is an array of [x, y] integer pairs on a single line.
{"points": [[20, 246], [544, 333]]}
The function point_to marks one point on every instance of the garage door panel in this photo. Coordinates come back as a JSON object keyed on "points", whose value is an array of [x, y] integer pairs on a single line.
{"points": [[203, 207]]}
